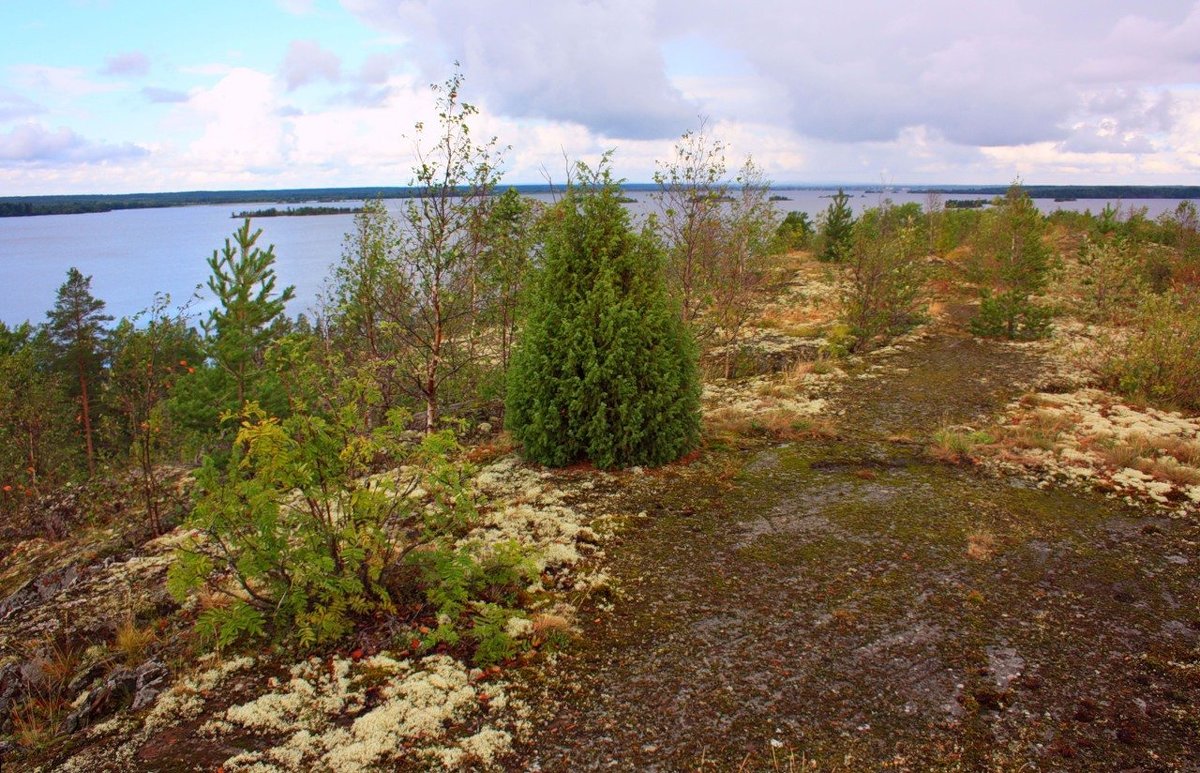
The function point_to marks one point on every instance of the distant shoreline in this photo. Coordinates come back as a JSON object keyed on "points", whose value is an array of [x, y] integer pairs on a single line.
{"points": [[296, 212], [29, 206]]}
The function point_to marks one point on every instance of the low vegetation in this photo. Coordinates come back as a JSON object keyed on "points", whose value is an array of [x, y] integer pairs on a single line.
{"points": [[359, 501]]}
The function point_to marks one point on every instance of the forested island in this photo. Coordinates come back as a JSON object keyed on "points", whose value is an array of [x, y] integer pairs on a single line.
{"points": [[296, 212]]}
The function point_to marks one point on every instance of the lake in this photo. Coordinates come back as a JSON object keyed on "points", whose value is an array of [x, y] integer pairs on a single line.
{"points": [[132, 254]]}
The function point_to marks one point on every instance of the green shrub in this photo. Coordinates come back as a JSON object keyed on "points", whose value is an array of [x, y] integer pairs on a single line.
{"points": [[1110, 277], [795, 232], [886, 271], [605, 369], [1010, 315], [302, 531], [1158, 362], [476, 595]]}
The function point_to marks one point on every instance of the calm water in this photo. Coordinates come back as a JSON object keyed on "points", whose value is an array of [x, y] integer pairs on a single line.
{"points": [[132, 254]]}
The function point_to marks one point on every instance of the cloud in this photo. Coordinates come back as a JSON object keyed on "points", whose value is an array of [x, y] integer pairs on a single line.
{"points": [[984, 75], [363, 96], [242, 128], [306, 62], [32, 142], [158, 95], [13, 106], [57, 81], [598, 64], [978, 75], [376, 68], [1105, 136], [129, 63]]}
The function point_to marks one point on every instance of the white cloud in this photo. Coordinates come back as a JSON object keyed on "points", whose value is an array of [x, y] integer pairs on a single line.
{"points": [[33, 143], [942, 91], [306, 61], [242, 131], [13, 105], [598, 64]]}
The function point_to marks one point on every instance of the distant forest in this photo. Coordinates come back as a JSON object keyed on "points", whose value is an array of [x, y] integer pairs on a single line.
{"points": [[24, 206], [1069, 192]]}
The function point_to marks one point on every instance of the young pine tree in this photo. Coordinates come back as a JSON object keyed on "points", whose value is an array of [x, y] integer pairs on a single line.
{"points": [[837, 229], [605, 369], [76, 325], [243, 281], [1011, 262]]}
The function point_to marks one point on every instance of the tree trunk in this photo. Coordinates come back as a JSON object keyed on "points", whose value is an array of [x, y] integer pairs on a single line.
{"points": [[87, 421], [431, 385]]}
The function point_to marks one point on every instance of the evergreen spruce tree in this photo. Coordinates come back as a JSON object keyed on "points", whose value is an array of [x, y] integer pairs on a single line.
{"points": [[605, 369]]}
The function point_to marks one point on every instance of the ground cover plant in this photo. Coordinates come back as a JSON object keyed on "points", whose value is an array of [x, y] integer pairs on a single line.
{"points": [[854, 503]]}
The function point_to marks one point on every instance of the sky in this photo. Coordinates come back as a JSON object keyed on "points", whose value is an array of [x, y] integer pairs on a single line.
{"points": [[119, 96]]}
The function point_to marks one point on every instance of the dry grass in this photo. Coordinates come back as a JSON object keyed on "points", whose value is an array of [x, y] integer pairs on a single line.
{"points": [[799, 321], [799, 370], [36, 721], [778, 423], [774, 389], [1035, 401], [822, 367], [1167, 468], [1040, 429], [547, 627], [981, 545], [1184, 451], [957, 446], [1127, 454], [1170, 459], [133, 642]]}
